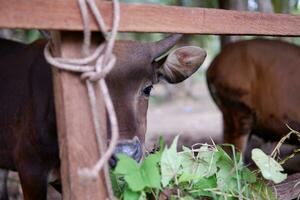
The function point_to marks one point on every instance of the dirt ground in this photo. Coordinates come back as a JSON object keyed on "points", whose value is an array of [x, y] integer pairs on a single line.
{"points": [[195, 119], [15, 190]]}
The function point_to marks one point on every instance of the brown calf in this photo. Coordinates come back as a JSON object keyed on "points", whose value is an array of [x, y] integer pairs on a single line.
{"points": [[256, 86], [28, 133]]}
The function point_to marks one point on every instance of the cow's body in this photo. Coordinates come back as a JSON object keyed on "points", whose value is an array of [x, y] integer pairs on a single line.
{"points": [[256, 85], [28, 133], [27, 119]]}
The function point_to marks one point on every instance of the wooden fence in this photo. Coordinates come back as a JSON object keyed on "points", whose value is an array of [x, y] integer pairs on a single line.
{"points": [[70, 94]]}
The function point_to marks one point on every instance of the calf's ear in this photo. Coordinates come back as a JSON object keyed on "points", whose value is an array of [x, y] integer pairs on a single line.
{"points": [[181, 63]]}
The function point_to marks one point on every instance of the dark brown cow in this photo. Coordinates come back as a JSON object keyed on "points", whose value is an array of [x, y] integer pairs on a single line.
{"points": [[27, 117], [256, 85]]}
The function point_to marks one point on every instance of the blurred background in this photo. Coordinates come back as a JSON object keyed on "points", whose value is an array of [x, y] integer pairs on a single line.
{"points": [[184, 109]]}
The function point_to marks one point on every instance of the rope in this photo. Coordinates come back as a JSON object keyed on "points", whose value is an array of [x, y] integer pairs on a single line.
{"points": [[104, 61]]}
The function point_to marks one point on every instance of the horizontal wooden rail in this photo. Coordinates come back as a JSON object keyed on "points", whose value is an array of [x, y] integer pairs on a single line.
{"points": [[288, 189], [65, 15]]}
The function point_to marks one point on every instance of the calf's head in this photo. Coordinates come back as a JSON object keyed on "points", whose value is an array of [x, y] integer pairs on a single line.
{"points": [[131, 80]]}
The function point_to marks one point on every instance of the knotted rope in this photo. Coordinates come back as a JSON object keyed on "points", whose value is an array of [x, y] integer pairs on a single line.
{"points": [[104, 61]]}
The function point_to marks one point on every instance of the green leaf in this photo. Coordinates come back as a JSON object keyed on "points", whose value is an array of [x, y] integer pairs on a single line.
{"points": [[189, 165], [204, 165], [129, 168], [186, 198], [131, 195], [226, 177], [186, 177], [135, 181], [209, 158], [143, 196], [248, 176], [32, 35], [192, 168], [199, 188], [116, 184], [270, 169], [170, 163], [223, 154], [138, 177], [150, 171], [125, 165]]}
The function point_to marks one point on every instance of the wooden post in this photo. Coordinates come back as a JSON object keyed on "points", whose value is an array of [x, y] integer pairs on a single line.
{"points": [[77, 139], [288, 189]]}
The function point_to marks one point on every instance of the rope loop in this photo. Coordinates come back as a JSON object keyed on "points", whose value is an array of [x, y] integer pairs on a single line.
{"points": [[103, 61], [99, 72]]}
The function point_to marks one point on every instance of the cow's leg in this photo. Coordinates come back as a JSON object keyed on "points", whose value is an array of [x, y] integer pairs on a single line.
{"points": [[238, 140], [238, 122], [3, 184], [34, 182]]}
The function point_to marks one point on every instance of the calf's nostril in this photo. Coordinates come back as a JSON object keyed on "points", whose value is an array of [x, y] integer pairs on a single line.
{"points": [[113, 161]]}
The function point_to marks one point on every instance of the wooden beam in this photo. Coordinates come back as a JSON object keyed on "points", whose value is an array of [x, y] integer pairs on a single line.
{"points": [[77, 140], [65, 15], [288, 189]]}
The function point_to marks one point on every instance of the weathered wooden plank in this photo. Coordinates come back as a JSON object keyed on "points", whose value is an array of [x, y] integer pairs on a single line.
{"points": [[289, 189], [77, 140], [65, 15]]}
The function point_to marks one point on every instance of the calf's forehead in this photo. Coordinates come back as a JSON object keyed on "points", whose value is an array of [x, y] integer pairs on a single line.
{"points": [[132, 58]]}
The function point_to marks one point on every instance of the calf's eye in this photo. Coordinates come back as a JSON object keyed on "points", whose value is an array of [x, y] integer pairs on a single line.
{"points": [[147, 90]]}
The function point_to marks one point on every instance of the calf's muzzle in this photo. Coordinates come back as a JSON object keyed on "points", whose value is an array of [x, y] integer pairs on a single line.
{"points": [[132, 148]]}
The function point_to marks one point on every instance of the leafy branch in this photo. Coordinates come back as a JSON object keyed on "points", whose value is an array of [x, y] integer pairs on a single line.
{"points": [[204, 171]]}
